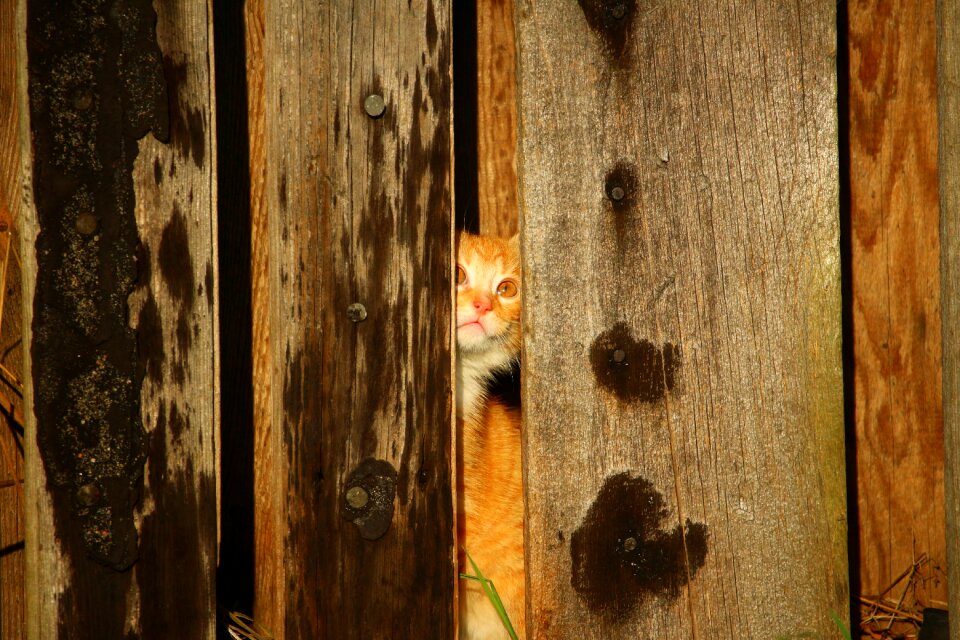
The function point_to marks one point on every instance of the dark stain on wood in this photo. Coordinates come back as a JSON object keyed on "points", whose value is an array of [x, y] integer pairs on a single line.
{"points": [[157, 171], [372, 513], [177, 425], [208, 284], [198, 136], [631, 369], [431, 27], [184, 336], [104, 614], [187, 131], [176, 263], [612, 21], [621, 555], [305, 440], [620, 186], [140, 70], [150, 341], [293, 391], [96, 86], [170, 537]]}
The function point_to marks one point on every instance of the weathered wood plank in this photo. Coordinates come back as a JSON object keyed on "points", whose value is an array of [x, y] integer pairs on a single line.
{"points": [[896, 290], [358, 210], [170, 547], [679, 190], [948, 81], [178, 330], [12, 532], [497, 117], [12, 571]]}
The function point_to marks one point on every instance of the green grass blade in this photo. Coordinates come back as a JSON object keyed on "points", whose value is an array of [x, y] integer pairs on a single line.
{"points": [[843, 628], [494, 597]]}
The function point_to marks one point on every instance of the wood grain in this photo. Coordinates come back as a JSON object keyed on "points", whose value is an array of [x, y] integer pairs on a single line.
{"points": [[497, 118], [178, 330], [269, 488], [12, 570], [679, 189], [357, 210], [948, 80], [895, 241], [169, 591]]}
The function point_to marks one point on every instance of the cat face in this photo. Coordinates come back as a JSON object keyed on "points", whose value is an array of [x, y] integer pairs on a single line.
{"points": [[488, 293]]}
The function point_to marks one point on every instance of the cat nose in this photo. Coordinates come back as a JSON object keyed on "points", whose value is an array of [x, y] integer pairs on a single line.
{"points": [[482, 305]]}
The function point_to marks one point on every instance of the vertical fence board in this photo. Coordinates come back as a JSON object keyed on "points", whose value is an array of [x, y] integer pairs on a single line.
{"points": [[682, 377], [12, 593], [269, 486], [357, 210], [948, 81], [497, 117], [168, 590], [178, 334], [896, 291]]}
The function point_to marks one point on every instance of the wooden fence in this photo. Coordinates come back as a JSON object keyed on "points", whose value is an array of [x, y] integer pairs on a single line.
{"points": [[250, 212]]}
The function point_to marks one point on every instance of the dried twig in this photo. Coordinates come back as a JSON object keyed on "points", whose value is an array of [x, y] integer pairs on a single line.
{"points": [[12, 380], [243, 627], [885, 607]]}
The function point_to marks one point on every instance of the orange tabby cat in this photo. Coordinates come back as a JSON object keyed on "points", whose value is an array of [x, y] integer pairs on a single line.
{"points": [[491, 482]]}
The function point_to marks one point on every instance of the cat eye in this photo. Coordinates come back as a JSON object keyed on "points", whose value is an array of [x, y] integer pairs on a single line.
{"points": [[461, 275], [507, 289]]}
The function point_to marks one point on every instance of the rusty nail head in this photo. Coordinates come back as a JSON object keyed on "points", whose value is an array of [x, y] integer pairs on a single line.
{"points": [[617, 193], [619, 10], [88, 494], [357, 497], [82, 100], [630, 544], [619, 355], [357, 312], [374, 105], [86, 223]]}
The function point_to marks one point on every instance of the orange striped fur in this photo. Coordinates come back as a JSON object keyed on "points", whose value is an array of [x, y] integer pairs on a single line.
{"points": [[490, 495]]}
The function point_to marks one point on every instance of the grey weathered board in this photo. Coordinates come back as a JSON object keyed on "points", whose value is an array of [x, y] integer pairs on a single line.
{"points": [[948, 81], [142, 564], [358, 210], [682, 386]]}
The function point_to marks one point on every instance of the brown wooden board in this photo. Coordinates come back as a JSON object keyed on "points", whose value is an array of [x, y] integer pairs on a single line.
{"points": [[96, 572], [948, 80], [682, 387], [358, 210], [12, 576], [269, 491], [895, 241], [497, 117]]}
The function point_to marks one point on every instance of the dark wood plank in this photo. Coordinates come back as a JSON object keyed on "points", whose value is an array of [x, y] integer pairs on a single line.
{"points": [[159, 584], [895, 240], [358, 211], [682, 385]]}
